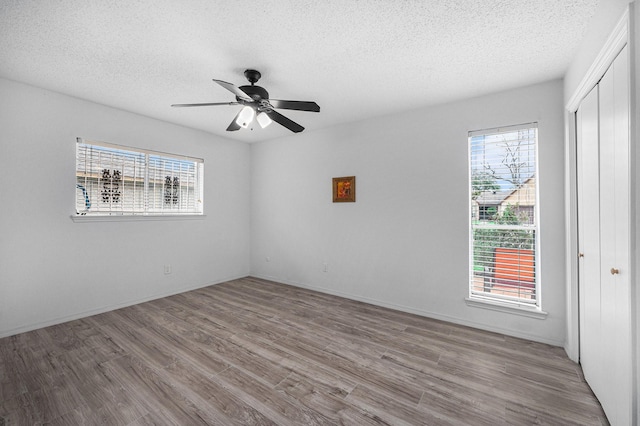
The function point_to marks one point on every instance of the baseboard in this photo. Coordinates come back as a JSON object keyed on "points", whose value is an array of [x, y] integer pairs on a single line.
{"points": [[101, 310], [402, 308], [423, 313]]}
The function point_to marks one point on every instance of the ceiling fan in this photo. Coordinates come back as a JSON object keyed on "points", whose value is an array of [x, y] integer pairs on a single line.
{"points": [[258, 105]]}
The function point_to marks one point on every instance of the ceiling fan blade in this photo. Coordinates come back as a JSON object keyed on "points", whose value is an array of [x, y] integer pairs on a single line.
{"points": [[205, 104], [284, 121], [297, 105], [233, 89], [234, 126]]}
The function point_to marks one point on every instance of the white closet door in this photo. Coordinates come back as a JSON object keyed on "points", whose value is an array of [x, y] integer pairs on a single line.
{"points": [[622, 219], [604, 225], [588, 154], [614, 241]]}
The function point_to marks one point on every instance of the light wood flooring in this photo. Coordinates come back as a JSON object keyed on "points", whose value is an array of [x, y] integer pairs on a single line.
{"points": [[252, 351]]}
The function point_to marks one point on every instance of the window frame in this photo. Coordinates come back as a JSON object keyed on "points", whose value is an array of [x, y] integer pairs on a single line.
{"points": [[184, 199], [482, 298]]}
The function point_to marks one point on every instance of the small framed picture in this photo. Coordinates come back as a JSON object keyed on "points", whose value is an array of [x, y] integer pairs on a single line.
{"points": [[344, 189]]}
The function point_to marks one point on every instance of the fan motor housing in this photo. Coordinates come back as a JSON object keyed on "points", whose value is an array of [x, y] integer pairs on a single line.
{"points": [[256, 92]]}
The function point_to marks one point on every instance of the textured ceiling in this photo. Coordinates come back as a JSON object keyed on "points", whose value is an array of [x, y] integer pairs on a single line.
{"points": [[356, 58]]}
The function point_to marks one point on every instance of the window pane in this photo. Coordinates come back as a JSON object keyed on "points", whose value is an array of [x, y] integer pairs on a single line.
{"points": [[503, 214], [121, 180]]}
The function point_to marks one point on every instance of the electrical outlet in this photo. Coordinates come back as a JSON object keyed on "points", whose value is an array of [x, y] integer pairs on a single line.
{"points": [[325, 267], [167, 269]]}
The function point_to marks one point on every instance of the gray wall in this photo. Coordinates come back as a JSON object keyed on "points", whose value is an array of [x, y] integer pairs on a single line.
{"points": [[52, 269], [405, 242]]}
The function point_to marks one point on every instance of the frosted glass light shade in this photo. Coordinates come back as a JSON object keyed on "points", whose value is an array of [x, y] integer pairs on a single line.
{"points": [[245, 117], [263, 120]]}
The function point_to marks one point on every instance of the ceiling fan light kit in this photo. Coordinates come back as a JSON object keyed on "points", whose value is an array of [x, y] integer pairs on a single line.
{"points": [[257, 105], [263, 120], [245, 117]]}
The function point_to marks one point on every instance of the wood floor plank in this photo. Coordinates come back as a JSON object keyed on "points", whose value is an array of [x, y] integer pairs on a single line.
{"points": [[184, 350], [325, 377], [20, 410], [336, 409], [211, 397], [152, 352], [252, 351], [83, 415], [446, 398], [12, 383], [524, 414], [246, 360], [101, 394], [388, 383], [274, 403], [393, 412], [57, 400], [354, 332], [149, 390]]}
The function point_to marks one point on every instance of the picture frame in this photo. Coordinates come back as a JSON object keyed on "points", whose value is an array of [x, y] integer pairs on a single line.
{"points": [[344, 189]]}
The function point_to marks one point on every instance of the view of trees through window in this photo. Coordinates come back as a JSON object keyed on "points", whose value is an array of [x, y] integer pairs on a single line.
{"points": [[503, 218]]}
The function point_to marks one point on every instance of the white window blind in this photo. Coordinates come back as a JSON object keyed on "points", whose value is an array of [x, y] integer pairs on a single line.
{"points": [[118, 180], [504, 215]]}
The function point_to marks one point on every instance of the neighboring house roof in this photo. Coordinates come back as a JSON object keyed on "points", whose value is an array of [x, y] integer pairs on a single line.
{"points": [[492, 198]]}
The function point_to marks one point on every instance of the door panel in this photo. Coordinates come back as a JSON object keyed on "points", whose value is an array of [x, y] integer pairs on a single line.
{"points": [[621, 326], [605, 392], [603, 226], [588, 222]]}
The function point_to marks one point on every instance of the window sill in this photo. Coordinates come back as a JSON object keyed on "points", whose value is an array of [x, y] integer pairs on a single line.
{"points": [[510, 308], [135, 218]]}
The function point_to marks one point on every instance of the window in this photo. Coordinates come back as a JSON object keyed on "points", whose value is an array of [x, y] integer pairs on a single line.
{"points": [[118, 180], [504, 229], [486, 212]]}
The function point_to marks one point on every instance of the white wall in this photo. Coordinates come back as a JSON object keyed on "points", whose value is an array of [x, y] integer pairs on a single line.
{"points": [[606, 17], [404, 243], [52, 269]]}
